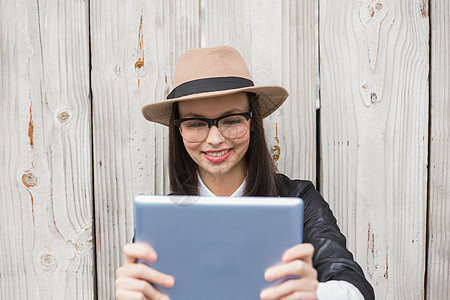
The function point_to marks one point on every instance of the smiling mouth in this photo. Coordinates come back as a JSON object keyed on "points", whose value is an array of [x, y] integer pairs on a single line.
{"points": [[217, 154]]}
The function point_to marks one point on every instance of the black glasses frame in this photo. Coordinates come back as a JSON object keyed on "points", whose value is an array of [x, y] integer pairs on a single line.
{"points": [[215, 122]]}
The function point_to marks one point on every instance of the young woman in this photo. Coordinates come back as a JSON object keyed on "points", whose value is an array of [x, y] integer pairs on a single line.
{"points": [[217, 147]]}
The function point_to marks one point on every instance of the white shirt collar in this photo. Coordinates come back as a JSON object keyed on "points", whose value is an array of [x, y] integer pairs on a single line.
{"points": [[204, 191]]}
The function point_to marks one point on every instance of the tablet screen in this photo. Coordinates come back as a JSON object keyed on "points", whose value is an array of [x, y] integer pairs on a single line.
{"points": [[218, 247]]}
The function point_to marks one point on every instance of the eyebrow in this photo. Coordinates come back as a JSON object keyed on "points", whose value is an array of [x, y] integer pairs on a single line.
{"points": [[228, 112]]}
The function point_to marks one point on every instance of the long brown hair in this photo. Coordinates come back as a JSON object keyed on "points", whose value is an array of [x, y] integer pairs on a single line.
{"points": [[261, 177]]}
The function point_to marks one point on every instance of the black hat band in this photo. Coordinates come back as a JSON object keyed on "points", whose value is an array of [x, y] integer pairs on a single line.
{"points": [[205, 85]]}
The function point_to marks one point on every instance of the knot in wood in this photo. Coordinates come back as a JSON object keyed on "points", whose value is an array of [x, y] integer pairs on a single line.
{"points": [[424, 9], [276, 151], [139, 66], [29, 179], [117, 70], [48, 262], [373, 97], [64, 115], [84, 239]]}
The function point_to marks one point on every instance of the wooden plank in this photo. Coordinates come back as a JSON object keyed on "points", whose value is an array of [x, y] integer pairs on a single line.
{"points": [[374, 124], [45, 155], [438, 271], [135, 45], [277, 41]]}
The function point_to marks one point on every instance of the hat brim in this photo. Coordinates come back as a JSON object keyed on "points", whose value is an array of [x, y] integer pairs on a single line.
{"points": [[269, 99]]}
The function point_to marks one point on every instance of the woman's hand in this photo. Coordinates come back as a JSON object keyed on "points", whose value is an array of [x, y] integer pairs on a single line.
{"points": [[298, 262], [133, 281]]}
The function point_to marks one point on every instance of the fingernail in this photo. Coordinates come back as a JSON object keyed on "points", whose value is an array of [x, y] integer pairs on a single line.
{"points": [[169, 281], [153, 257], [264, 295], [269, 274]]}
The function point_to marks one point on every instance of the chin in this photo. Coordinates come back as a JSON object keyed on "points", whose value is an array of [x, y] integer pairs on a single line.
{"points": [[216, 171]]}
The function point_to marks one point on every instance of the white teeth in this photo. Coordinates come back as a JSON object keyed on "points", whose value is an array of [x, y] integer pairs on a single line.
{"points": [[218, 153]]}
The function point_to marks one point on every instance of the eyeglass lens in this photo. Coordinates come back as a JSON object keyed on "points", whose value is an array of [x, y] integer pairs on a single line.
{"points": [[231, 127]]}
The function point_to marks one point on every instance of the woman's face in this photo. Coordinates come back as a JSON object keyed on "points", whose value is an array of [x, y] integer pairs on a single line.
{"points": [[218, 156]]}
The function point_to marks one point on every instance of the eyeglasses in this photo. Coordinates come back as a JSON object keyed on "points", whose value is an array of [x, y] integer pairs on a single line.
{"points": [[196, 130]]}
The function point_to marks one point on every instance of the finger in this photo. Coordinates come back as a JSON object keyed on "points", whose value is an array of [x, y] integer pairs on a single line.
{"points": [[139, 250], [296, 267], [140, 286], [129, 295], [301, 296], [301, 251], [289, 287], [144, 272]]}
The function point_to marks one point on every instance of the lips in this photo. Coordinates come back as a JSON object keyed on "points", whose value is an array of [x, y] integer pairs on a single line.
{"points": [[217, 156]]}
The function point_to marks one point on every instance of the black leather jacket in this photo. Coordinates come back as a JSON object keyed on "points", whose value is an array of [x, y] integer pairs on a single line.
{"points": [[331, 258]]}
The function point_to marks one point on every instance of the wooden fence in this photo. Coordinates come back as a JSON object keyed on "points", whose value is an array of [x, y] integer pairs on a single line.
{"points": [[75, 149]]}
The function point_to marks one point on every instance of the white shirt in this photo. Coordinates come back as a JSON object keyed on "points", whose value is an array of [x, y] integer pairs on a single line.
{"points": [[333, 289]]}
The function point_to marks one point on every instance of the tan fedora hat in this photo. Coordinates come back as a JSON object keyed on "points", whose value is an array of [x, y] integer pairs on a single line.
{"points": [[212, 72]]}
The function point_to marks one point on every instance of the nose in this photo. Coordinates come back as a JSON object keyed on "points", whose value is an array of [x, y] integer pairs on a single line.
{"points": [[214, 136]]}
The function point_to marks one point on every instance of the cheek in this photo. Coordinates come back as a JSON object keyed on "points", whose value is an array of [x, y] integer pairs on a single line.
{"points": [[191, 146], [192, 150], [242, 142]]}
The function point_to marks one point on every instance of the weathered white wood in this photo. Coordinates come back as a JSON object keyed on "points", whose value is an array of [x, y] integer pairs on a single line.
{"points": [[374, 125], [277, 41], [438, 271], [135, 45], [46, 217]]}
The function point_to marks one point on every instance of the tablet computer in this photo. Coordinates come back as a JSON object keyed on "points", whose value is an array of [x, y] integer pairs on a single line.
{"points": [[217, 247]]}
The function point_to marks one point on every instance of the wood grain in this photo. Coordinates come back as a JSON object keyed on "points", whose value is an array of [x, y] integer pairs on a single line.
{"points": [[438, 272], [276, 38], [135, 46], [374, 63], [374, 128], [46, 220]]}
